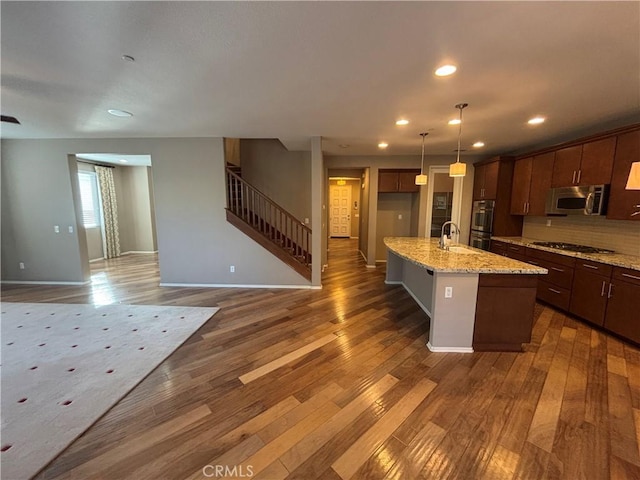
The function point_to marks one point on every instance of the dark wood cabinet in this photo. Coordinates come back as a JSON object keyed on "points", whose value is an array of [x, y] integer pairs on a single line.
{"points": [[590, 289], [597, 162], [622, 306], [554, 287], [397, 181], [589, 163], [566, 166], [623, 204], [504, 312], [531, 182], [485, 182], [521, 185]]}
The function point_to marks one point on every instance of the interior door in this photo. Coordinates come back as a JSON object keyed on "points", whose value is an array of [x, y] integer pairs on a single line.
{"points": [[340, 218]]}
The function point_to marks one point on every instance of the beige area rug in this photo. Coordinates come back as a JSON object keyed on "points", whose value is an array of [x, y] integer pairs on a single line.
{"points": [[63, 366]]}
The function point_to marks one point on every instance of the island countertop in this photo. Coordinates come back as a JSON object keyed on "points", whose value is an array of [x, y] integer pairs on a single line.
{"points": [[425, 253]]}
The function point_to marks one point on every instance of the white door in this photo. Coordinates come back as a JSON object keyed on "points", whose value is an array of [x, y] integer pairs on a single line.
{"points": [[340, 218]]}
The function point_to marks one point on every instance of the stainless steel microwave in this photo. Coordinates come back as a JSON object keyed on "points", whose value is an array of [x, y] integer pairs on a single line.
{"points": [[582, 200]]}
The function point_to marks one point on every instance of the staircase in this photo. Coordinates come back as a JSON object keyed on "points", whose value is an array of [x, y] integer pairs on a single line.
{"points": [[266, 222]]}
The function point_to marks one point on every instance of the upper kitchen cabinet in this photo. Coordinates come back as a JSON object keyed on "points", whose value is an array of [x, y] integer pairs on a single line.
{"points": [[623, 204], [485, 182], [394, 181], [531, 182], [590, 163]]}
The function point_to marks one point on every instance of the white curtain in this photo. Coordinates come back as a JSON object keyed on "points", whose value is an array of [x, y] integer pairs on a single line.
{"points": [[109, 211]]}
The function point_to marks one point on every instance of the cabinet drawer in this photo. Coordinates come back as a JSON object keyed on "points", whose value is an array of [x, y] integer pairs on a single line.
{"points": [[595, 267], [559, 275], [551, 257], [554, 295], [497, 247], [626, 275]]}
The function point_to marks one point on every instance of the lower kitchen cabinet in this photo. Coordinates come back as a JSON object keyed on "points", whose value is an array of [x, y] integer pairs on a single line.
{"points": [[590, 289], [622, 315]]}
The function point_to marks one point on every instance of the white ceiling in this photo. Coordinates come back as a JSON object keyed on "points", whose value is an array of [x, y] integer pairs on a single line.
{"points": [[343, 70]]}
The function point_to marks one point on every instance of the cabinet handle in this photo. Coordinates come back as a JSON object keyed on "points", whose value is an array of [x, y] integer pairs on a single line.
{"points": [[590, 266], [630, 276], [557, 269], [579, 175], [514, 248], [602, 292], [532, 263], [635, 213], [554, 290], [573, 179], [609, 295]]}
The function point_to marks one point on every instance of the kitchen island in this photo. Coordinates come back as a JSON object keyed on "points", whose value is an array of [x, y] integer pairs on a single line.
{"points": [[476, 300]]}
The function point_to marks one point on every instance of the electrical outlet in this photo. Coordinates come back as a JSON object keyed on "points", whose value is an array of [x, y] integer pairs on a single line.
{"points": [[21, 265], [306, 221], [232, 268], [56, 228], [399, 216], [548, 222], [448, 292], [70, 228]]}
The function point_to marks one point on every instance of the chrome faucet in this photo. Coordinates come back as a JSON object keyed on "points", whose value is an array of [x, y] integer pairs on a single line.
{"points": [[442, 243]]}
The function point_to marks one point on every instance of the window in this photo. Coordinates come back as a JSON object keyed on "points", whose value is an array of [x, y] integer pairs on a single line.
{"points": [[89, 197]]}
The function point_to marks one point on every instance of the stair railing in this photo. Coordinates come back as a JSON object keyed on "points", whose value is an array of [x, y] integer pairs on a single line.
{"points": [[267, 217]]}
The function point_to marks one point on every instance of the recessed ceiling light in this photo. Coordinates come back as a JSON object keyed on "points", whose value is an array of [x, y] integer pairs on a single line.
{"points": [[478, 144], [455, 121], [128, 58], [122, 160], [536, 121], [383, 145], [119, 113], [402, 122], [446, 70]]}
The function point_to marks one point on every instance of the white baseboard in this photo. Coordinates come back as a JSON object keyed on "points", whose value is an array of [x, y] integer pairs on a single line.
{"points": [[236, 285], [365, 258], [393, 282], [45, 282], [371, 266], [97, 260], [449, 349], [138, 251]]}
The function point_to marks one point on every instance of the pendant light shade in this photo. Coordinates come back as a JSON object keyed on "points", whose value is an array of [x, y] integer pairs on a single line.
{"points": [[422, 178], [633, 182], [459, 169]]}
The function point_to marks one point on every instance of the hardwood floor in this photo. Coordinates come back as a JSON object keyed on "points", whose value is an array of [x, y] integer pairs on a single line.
{"points": [[338, 383]]}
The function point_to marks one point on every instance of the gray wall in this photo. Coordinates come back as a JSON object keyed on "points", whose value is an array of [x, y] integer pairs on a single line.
{"points": [[390, 207], [195, 243], [282, 175]]}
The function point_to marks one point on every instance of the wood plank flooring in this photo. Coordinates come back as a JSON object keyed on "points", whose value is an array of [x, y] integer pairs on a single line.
{"points": [[338, 383]]}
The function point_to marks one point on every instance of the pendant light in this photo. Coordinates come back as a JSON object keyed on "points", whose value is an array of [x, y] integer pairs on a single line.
{"points": [[459, 169], [422, 178]]}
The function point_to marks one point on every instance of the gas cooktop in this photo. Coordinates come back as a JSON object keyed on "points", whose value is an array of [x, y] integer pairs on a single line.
{"points": [[571, 247]]}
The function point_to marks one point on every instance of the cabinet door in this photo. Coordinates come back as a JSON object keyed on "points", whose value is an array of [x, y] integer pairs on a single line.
{"points": [[521, 185], [541, 173], [622, 310], [624, 203], [589, 296], [478, 182], [597, 162], [566, 166], [387, 182], [490, 180], [407, 181]]}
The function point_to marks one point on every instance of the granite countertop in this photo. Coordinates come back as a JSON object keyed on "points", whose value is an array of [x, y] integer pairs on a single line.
{"points": [[616, 259], [425, 252]]}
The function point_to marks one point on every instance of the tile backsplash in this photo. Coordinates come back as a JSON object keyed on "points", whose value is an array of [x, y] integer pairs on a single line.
{"points": [[619, 235]]}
